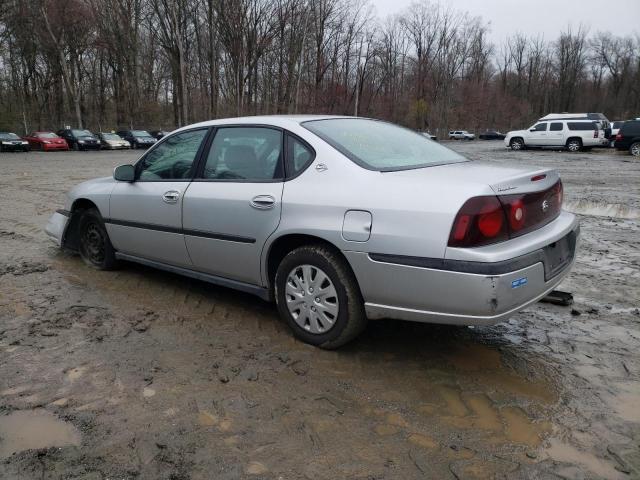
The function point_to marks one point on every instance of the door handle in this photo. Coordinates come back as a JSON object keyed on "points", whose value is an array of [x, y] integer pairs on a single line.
{"points": [[171, 196], [263, 202]]}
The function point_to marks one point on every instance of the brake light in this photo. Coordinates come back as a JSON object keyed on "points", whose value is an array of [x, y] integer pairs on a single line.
{"points": [[485, 220], [595, 134], [480, 221], [619, 136]]}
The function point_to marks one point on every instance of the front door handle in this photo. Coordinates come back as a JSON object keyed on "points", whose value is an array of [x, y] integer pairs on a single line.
{"points": [[171, 196], [263, 202]]}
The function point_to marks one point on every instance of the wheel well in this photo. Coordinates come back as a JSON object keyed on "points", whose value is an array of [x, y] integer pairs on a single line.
{"points": [[285, 244], [574, 138], [516, 138], [70, 238]]}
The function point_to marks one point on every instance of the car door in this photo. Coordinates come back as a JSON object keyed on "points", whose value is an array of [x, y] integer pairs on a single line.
{"points": [[538, 135], [234, 204], [145, 216], [556, 134]]}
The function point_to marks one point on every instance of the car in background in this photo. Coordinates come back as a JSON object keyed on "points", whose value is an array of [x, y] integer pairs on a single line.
{"points": [[294, 209], [628, 137], [112, 141], [615, 128], [430, 135], [604, 122], [137, 138], [574, 135], [10, 142], [79, 139], [492, 135], [46, 141], [461, 135], [158, 134]]}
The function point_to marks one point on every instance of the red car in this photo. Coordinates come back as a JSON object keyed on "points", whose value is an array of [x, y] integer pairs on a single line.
{"points": [[46, 141]]}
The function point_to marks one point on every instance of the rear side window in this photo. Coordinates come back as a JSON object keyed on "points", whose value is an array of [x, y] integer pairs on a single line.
{"points": [[299, 156], [630, 128], [582, 126], [555, 127]]}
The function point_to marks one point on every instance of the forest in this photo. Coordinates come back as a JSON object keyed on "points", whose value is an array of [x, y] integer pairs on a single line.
{"points": [[105, 64]]}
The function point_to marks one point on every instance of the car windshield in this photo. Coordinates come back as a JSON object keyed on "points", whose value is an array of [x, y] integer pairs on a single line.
{"points": [[9, 136], [81, 133], [140, 133], [617, 124], [378, 145], [111, 136], [47, 135]]}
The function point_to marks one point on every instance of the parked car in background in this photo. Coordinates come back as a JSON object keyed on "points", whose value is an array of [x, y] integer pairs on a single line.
{"points": [[79, 139], [158, 134], [137, 138], [430, 135], [461, 135], [46, 141], [294, 209], [10, 142], [605, 124], [615, 128], [492, 135], [628, 137], [112, 141], [574, 135]]}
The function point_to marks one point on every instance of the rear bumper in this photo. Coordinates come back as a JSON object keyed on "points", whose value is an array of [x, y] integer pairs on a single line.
{"points": [[446, 294], [57, 225]]}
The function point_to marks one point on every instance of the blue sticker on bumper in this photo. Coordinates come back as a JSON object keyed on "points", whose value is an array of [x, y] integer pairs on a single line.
{"points": [[519, 282]]}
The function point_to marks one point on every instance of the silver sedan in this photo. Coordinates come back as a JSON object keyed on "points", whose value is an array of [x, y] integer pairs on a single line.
{"points": [[336, 219]]}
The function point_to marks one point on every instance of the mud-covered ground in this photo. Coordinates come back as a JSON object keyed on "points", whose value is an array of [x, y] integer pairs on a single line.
{"points": [[143, 374]]}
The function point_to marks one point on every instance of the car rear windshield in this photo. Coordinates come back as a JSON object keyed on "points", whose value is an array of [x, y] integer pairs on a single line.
{"points": [[583, 125], [382, 146], [617, 124], [9, 136]]}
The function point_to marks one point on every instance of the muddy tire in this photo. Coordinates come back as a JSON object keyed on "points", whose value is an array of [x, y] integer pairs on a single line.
{"points": [[574, 144], [516, 144], [634, 149], [93, 242], [318, 296]]}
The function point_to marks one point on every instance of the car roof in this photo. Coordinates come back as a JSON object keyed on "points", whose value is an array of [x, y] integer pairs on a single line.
{"points": [[274, 120]]}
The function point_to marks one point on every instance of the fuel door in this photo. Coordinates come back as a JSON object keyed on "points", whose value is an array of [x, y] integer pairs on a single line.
{"points": [[356, 226]]}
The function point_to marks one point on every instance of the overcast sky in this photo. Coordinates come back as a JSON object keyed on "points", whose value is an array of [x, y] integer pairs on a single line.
{"points": [[531, 17]]}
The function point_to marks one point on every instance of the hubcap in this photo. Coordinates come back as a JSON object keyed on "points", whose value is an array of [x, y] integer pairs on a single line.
{"points": [[516, 145], [635, 150], [312, 299], [574, 146], [93, 243]]}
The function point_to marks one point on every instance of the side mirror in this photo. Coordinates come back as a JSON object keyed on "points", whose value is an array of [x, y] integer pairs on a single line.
{"points": [[125, 173]]}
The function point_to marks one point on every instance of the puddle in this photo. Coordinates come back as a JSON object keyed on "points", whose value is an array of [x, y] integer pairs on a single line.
{"points": [[33, 429], [602, 209]]}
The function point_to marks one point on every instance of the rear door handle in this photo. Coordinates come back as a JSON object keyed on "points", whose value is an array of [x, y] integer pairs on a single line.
{"points": [[171, 196], [263, 202]]}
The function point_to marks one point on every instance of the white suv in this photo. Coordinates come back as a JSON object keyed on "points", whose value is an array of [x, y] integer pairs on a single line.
{"points": [[574, 135], [461, 135]]}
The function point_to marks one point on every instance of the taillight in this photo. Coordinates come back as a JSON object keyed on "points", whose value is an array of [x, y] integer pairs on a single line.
{"points": [[595, 134], [619, 136], [486, 220], [480, 221]]}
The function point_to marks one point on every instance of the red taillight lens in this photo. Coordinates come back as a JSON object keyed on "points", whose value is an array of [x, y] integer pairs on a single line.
{"points": [[595, 134], [619, 136], [480, 221]]}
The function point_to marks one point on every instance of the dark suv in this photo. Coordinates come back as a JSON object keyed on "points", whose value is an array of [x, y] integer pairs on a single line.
{"points": [[628, 137], [80, 139]]}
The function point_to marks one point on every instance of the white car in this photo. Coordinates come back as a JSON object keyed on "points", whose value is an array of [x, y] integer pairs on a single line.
{"points": [[461, 135], [574, 135]]}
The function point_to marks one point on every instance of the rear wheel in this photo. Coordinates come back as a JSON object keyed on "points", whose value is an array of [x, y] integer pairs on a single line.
{"points": [[318, 296], [634, 149], [516, 144], [94, 244], [574, 144]]}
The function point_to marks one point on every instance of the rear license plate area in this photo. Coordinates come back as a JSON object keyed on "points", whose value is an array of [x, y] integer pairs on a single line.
{"points": [[559, 254]]}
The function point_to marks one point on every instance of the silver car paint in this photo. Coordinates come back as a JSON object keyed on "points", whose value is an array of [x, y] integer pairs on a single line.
{"points": [[411, 214]]}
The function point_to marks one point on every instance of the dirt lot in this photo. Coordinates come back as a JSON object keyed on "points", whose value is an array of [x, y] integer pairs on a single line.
{"points": [[144, 374]]}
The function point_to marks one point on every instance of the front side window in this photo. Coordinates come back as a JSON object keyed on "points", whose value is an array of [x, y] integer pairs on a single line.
{"points": [[382, 146], [540, 127], [555, 127], [172, 159], [245, 153]]}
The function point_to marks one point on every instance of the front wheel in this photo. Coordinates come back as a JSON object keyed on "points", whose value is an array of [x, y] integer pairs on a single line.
{"points": [[516, 144], [318, 297], [634, 149], [95, 247]]}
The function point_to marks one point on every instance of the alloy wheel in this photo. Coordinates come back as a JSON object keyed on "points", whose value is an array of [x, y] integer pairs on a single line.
{"points": [[573, 146], [312, 299], [635, 149], [516, 144]]}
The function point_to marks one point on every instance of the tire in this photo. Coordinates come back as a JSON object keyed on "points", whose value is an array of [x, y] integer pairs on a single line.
{"points": [[296, 300], [634, 149], [574, 144], [517, 144], [94, 245], [76, 147]]}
